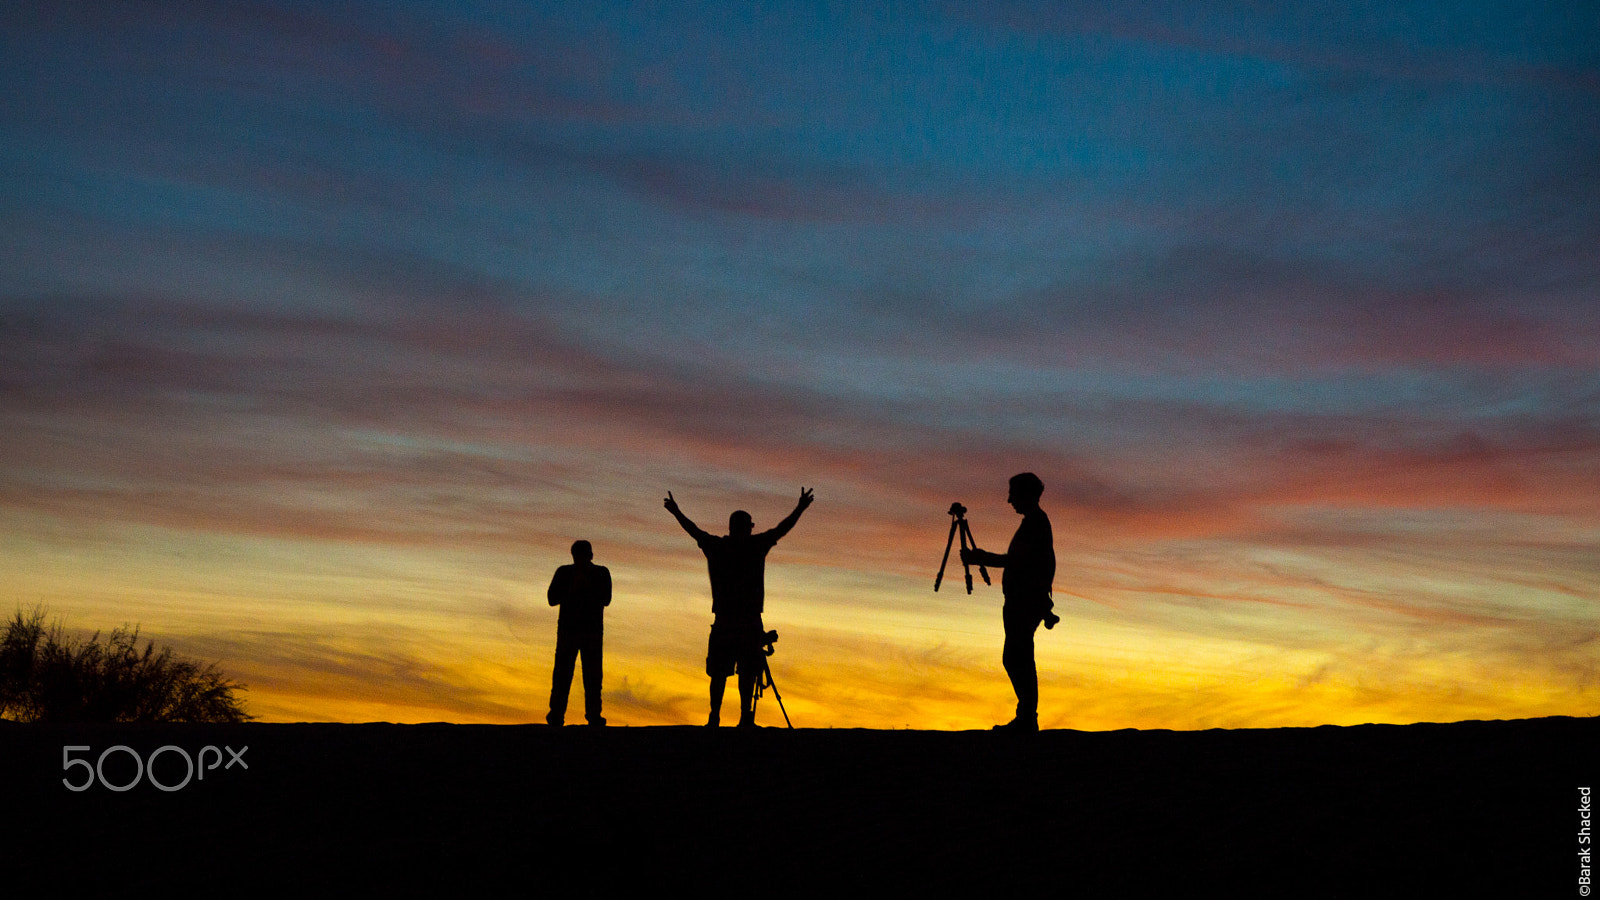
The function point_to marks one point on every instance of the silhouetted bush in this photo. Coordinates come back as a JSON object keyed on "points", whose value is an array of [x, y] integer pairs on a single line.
{"points": [[46, 676]]}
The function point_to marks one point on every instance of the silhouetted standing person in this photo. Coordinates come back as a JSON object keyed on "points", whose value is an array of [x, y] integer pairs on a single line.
{"points": [[737, 565], [1030, 564], [583, 591]]}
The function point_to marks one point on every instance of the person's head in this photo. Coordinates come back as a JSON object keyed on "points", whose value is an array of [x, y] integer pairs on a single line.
{"points": [[740, 524], [582, 552], [1026, 489]]}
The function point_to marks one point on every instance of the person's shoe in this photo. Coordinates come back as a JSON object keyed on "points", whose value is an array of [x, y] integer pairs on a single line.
{"points": [[1050, 620], [554, 718], [714, 721], [597, 721], [1019, 725]]}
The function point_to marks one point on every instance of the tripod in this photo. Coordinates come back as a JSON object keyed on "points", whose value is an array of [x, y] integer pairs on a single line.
{"points": [[958, 522], [764, 680]]}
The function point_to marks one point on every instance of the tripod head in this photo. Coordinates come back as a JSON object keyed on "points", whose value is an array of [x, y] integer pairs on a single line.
{"points": [[958, 525]]}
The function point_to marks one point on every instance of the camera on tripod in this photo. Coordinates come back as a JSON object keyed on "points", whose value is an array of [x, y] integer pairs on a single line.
{"points": [[764, 679]]}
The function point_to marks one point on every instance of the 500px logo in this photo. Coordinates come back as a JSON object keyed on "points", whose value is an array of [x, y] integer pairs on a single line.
{"points": [[145, 768]]}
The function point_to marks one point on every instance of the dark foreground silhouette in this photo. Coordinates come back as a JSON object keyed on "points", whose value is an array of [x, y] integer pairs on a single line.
{"points": [[46, 675], [737, 564], [1030, 564], [1475, 808], [583, 591]]}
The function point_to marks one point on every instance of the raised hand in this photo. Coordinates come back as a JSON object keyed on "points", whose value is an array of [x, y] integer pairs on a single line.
{"points": [[670, 504], [805, 497]]}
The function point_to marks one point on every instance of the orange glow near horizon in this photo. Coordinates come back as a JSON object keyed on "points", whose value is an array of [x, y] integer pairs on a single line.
{"points": [[1177, 636]]}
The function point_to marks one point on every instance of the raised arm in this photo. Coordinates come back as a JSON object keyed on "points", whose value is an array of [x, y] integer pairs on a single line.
{"points": [[782, 528], [683, 520]]}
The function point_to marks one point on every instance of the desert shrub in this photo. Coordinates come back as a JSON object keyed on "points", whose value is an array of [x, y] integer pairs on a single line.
{"points": [[47, 676]]}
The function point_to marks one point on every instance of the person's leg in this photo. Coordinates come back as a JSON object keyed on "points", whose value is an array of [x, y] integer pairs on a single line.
{"points": [[1018, 660], [747, 691], [561, 678], [721, 661], [752, 665], [719, 684], [593, 669]]}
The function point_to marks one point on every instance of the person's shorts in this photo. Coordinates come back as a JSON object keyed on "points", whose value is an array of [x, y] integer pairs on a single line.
{"points": [[736, 645]]}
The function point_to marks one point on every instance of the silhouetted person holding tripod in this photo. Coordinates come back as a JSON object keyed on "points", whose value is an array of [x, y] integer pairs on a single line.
{"points": [[1030, 564], [737, 565], [583, 591]]}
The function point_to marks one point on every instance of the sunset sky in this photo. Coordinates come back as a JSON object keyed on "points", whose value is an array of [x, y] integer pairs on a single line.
{"points": [[325, 328]]}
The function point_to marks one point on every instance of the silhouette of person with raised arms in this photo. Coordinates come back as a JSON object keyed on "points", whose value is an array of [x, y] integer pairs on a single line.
{"points": [[1030, 564], [583, 591], [737, 565]]}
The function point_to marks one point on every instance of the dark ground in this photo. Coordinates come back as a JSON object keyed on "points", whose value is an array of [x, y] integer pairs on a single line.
{"points": [[1473, 808]]}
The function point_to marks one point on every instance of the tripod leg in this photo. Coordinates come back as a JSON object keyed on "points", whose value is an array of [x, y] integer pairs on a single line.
{"points": [[947, 542], [967, 538], [774, 685]]}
